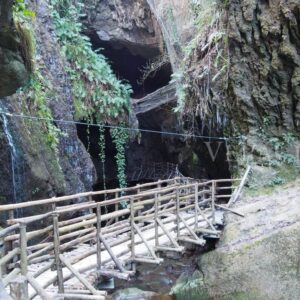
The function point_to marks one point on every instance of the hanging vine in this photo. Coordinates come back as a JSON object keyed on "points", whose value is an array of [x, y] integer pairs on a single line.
{"points": [[88, 136], [101, 143], [120, 137]]}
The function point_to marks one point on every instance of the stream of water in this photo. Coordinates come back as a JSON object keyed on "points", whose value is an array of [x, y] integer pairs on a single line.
{"points": [[16, 172]]}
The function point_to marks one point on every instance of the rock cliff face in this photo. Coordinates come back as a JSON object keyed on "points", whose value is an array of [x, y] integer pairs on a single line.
{"points": [[257, 257], [43, 172], [264, 81], [262, 86], [128, 24], [12, 65]]}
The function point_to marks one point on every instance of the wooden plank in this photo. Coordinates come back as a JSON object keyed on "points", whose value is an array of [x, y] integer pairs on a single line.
{"points": [[192, 241], [70, 296], [150, 249], [208, 231], [205, 218], [10, 255], [6, 280], [60, 277], [158, 98], [193, 234], [41, 292], [147, 260], [231, 210], [172, 240], [78, 275], [237, 193], [179, 249], [114, 273], [112, 255]]}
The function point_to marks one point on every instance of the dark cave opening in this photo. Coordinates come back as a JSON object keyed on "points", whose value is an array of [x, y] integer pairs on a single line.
{"points": [[90, 136], [149, 153], [128, 65], [195, 157]]}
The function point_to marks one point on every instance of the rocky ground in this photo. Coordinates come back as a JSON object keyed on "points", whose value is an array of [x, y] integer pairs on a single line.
{"points": [[258, 256]]}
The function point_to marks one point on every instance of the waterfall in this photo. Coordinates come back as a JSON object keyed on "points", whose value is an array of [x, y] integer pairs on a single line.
{"points": [[16, 171]]}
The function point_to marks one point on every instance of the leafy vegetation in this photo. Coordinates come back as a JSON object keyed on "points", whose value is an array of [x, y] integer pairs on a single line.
{"points": [[96, 89], [36, 94], [20, 8], [102, 147], [97, 92], [195, 78], [120, 137]]}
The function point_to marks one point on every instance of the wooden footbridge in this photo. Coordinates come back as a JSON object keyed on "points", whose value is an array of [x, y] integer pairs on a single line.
{"points": [[64, 245]]}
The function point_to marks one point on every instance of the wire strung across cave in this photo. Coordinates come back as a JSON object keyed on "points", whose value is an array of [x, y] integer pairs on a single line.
{"points": [[168, 133], [154, 171]]}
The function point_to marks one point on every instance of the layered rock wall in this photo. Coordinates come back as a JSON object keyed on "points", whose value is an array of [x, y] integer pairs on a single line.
{"points": [[12, 65]]}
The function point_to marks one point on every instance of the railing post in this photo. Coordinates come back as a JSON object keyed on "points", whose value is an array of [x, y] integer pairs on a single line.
{"points": [[117, 206], [24, 260], [98, 237], [60, 278], [213, 200], [132, 229], [196, 205], [177, 212], [155, 219]]}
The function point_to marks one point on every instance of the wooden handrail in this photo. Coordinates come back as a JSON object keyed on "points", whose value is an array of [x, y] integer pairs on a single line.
{"points": [[8, 207]]}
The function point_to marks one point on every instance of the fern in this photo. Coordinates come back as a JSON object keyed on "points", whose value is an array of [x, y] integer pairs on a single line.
{"points": [[96, 89]]}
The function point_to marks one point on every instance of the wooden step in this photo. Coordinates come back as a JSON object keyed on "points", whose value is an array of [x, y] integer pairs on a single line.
{"points": [[115, 273], [199, 242], [148, 260], [162, 248]]}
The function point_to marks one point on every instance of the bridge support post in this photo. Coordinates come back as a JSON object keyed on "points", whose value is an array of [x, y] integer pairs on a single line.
{"points": [[196, 205], [132, 228], [213, 200], [177, 213], [155, 220], [98, 237], [23, 286], [117, 206], [60, 277]]}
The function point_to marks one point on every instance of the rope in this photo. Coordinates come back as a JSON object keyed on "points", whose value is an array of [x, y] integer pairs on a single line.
{"points": [[168, 133]]}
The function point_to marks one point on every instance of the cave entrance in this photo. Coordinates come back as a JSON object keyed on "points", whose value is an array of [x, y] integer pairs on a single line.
{"points": [[152, 155], [107, 174], [129, 62], [193, 157]]}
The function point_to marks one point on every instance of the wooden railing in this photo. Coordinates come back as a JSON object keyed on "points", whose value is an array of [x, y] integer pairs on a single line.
{"points": [[44, 237]]}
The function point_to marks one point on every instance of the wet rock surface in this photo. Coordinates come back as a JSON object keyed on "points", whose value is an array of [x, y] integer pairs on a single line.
{"points": [[125, 23], [132, 294], [264, 82], [258, 256], [12, 66], [160, 278], [45, 173]]}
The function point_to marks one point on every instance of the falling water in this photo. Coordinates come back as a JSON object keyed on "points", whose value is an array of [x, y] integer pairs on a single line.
{"points": [[15, 163]]}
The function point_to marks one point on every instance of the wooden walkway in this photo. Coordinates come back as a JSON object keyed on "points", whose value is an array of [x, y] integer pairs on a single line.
{"points": [[65, 244]]}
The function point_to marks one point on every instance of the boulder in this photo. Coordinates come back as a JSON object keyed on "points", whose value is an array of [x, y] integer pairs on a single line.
{"points": [[258, 256], [12, 66]]}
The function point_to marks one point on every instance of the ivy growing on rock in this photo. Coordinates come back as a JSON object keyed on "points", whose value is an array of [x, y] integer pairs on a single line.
{"points": [[102, 148], [96, 89], [35, 95], [97, 92], [120, 137]]}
